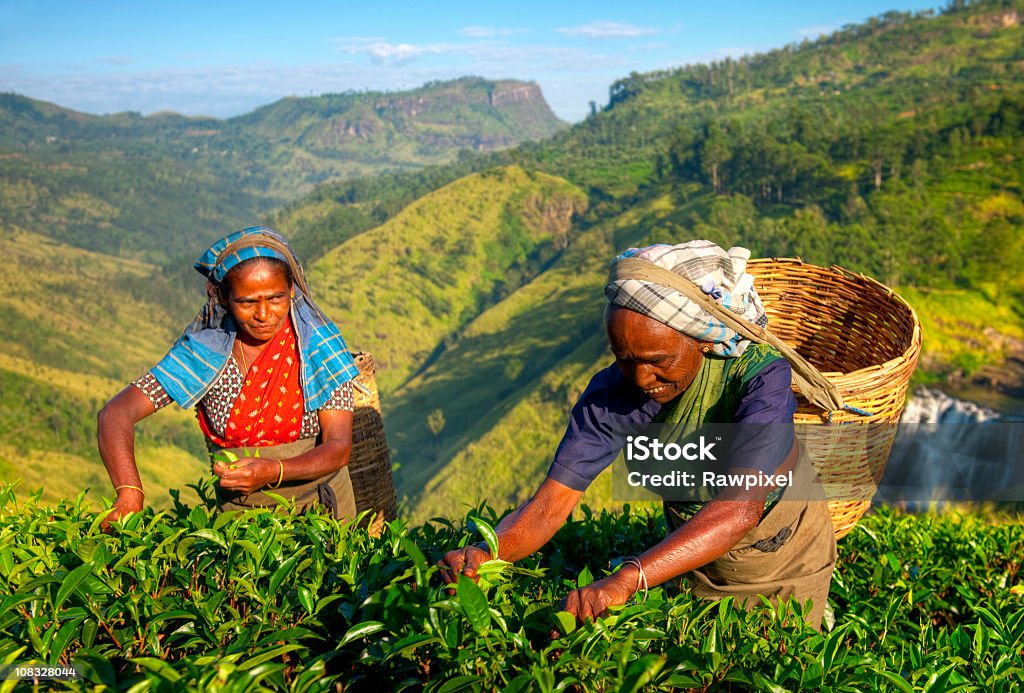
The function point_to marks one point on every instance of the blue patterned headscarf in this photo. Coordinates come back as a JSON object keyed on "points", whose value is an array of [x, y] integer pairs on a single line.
{"points": [[253, 242], [200, 354]]}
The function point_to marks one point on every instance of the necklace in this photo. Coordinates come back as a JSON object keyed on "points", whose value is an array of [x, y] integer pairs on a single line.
{"points": [[241, 352]]}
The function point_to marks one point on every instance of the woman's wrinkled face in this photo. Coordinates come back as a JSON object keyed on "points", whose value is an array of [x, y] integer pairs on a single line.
{"points": [[259, 297], [659, 360]]}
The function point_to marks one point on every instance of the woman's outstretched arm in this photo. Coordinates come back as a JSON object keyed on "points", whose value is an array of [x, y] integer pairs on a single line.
{"points": [[520, 533], [115, 437], [708, 535]]}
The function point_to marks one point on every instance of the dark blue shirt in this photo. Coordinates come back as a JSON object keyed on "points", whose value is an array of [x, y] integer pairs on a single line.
{"points": [[612, 404]]}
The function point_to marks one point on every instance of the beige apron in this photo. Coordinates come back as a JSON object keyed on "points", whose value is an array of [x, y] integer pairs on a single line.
{"points": [[791, 553], [333, 491]]}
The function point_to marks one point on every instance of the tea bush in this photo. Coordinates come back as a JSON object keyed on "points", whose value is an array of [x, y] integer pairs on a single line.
{"points": [[189, 598]]}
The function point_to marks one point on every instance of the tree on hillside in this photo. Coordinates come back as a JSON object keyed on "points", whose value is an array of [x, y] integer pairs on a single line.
{"points": [[714, 152]]}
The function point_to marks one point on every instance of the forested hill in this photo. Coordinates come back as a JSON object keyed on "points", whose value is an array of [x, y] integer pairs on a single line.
{"points": [[156, 187], [837, 129], [891, 148]]}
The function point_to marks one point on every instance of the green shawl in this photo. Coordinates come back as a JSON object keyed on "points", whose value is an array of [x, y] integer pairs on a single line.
{"points": [[712, 398]]}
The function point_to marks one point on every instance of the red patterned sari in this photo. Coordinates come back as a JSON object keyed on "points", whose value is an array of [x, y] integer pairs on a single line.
{"points": [[270, 406]]}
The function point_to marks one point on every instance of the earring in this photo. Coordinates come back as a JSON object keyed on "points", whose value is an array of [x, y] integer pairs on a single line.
{"points": [[705, 349]]}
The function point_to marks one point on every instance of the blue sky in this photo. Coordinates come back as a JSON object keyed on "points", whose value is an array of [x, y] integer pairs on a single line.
{"points": [[226, 58]]}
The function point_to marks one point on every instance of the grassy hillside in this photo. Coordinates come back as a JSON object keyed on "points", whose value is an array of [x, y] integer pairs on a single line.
{"points": [[505, 387], [81, 311], [419, 125], [80, 325], [406, 289]]}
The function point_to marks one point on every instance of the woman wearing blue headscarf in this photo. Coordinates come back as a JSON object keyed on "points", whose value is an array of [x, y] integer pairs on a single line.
{"points": [[270, 378]]}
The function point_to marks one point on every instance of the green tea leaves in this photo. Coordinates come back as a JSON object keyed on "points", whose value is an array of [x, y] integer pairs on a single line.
{"points": [[474, 603], [71, 583], [264, 598]]}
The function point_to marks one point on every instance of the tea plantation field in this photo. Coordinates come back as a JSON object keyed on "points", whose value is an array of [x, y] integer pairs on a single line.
{"points": [[189, 599]]}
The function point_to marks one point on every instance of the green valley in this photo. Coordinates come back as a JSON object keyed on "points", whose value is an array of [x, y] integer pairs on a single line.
{"points": [[158, 186], [412, 284], [477, 283], [912, 174]]}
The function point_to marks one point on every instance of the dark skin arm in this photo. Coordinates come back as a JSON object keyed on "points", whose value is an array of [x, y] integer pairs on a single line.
{"points": [[708, 535], [331, 454], [711, 533], [115, 437], [115, 434], [520, 533], [715, 529]]}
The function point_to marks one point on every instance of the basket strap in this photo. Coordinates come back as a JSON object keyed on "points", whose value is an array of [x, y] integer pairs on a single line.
{"points": [[818, 390]]}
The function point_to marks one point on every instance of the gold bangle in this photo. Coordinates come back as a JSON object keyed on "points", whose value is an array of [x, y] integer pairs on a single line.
{"points": [[118, 488], [641, 578], [280, 477]]}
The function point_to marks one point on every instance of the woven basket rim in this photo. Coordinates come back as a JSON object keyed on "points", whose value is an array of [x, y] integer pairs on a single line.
{"points": [[913, 348]]}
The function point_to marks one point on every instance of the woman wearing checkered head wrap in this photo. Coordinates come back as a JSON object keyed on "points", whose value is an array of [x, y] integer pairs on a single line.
{"points": [[718, 273], [269, 375], [679, 363]]}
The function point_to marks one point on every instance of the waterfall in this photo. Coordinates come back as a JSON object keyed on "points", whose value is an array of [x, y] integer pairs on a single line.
{"points": [[948, 449], [929, 406]]}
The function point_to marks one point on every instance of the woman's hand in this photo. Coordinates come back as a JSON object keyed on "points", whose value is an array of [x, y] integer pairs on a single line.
{"points": [[520, 533], [464, 561], [590, 602], [128, 501], [115, 436], [248, 474]]}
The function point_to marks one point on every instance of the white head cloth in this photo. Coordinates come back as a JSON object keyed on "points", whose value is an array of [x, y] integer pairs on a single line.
{"points": [[718, 273]]}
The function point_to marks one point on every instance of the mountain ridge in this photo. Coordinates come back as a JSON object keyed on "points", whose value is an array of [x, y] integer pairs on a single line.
{"points": [[104, 182]]}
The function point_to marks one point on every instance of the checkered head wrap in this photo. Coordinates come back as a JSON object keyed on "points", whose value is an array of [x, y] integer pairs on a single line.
{"points": [[718, 273]]}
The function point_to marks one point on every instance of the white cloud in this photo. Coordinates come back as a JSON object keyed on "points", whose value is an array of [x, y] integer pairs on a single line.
{"points": [[602, 30], [383, 52], [393, 52]]}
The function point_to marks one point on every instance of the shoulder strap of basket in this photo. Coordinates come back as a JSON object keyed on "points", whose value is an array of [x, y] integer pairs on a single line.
{"points": [[814, 386]]}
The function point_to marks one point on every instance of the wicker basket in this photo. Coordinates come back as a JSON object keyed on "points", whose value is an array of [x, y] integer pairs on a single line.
{"points": [[865, 339], [369, 465]]}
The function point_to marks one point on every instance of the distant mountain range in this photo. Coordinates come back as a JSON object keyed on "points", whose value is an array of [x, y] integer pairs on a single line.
{"points": [[891, 148], [151, 186]]}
